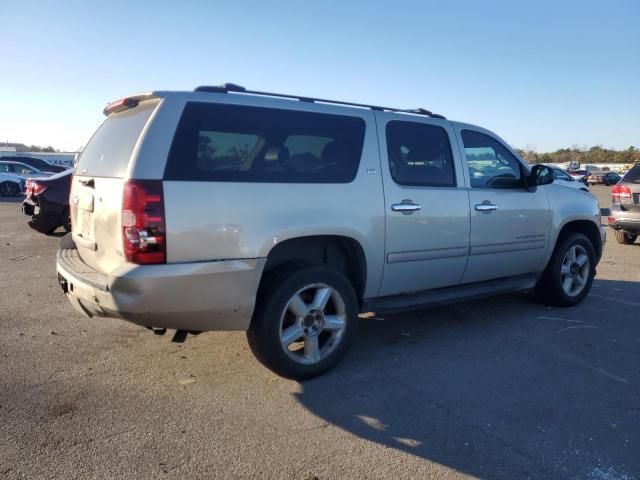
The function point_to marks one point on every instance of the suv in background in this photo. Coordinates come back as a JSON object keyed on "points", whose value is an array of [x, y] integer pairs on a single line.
{"points": [[286, 217], [624, 215]]}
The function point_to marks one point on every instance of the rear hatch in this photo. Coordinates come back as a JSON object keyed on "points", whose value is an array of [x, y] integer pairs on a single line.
{"points": [[98, 181], [632, 180]]}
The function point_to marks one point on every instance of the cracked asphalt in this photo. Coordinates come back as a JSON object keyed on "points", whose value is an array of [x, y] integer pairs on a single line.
{"points": [[497, 388]]}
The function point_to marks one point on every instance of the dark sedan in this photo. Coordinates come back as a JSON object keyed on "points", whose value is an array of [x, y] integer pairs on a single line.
{"points": [[611, 178], [37, 163], [47, 202]]}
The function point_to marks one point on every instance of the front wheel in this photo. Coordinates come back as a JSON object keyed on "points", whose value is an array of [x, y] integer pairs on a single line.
{"points": [[304, 321], [624, 237], [569, 275]]}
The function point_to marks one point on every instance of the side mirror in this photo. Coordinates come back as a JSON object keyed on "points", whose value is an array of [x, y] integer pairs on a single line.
{"points": [[542, 175]]}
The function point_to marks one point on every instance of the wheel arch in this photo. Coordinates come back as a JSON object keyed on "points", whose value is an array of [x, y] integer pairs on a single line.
{"points": [[340, 252], [588, 228]]}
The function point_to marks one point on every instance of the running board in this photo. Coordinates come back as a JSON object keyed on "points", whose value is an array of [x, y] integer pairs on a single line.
{"points": [[448, 295]]}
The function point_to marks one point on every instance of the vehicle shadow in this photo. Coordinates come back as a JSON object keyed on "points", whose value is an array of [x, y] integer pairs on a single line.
{"points": [[16, 199], [498, 388]]}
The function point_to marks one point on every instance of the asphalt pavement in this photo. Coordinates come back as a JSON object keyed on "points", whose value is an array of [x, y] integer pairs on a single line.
{"points": [[497, 388]]}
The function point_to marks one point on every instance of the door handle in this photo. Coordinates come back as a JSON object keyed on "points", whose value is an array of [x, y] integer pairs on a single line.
{"points": [[486, 207], [406, 207]]}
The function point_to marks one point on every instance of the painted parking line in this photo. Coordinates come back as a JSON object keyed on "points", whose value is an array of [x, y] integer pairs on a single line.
{"points": [[612, 299]]}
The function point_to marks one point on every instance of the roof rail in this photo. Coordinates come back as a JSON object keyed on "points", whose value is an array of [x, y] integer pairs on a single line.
{"points": [[233, 88]]}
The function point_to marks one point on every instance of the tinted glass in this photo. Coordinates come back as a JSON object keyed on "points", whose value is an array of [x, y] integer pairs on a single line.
{"points": [[108, 152], [233, 143], [419, 154], [490, 164], [633, 175]]}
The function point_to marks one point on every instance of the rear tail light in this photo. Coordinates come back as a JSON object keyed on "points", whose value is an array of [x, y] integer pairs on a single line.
{"points": [[143, 225], [620, 194], [38, 188], [33, 188]]}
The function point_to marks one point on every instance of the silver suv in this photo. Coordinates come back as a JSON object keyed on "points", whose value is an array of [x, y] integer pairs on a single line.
{"points": [[286, 217], [624, 216]]}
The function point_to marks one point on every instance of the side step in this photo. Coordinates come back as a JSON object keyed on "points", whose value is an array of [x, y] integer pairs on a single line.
{"points": [[448, 295]]}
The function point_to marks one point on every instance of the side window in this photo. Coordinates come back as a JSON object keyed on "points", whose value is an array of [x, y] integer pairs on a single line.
{"points": [[4, 168], [419, 154], [490, 164], [560, 175], [220, 151], [230, 143]]}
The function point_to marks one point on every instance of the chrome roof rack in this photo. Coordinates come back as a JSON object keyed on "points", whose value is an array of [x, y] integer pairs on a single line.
{"points": [[233, 88]]}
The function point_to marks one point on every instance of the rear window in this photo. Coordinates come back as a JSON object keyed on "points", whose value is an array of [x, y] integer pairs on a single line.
{"points": [[230, 143], [633, 175], [108, 152]]}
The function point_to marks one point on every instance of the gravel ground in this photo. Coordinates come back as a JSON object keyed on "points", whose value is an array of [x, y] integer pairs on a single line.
{"points": [[498, 388]]}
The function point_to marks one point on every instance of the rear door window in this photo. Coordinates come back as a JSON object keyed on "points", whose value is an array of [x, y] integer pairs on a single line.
{"points": [[419, 154], [108, 152], [216, 142]]}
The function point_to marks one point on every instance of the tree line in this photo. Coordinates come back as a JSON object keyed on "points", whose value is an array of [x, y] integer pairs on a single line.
{"points": [[21, 147], [593, 155]]}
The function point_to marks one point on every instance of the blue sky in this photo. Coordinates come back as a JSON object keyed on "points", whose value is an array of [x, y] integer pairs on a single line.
{"points": [[542, 74]]}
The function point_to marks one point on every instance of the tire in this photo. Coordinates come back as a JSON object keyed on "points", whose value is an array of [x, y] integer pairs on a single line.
{"points": [[9, 189], [293, 339], [624, 237], [554, 287]]}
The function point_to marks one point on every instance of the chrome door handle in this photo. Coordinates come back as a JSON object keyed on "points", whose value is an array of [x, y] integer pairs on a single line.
{"points": [[486, 207], [407, 207]]}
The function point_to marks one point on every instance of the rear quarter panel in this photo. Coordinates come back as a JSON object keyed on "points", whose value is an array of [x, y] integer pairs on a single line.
{"points": [[232, 220]]}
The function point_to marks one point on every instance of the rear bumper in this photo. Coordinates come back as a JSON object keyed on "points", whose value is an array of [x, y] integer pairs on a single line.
{"points": [[629, 221], [200, 296], [45, 216]]}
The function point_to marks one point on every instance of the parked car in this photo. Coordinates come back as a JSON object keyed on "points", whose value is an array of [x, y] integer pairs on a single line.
{"points": [[37, 163], [624, 214], [580, 175], [47, 202], [21, 169], [228, 209], [610, 178], [562, 177], [10, 185], [594, 178]]}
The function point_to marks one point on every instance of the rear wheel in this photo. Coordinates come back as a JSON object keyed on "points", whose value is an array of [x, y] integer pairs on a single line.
{"points": [[569, 274], [304, 321], [624, 237], [9, 189]]}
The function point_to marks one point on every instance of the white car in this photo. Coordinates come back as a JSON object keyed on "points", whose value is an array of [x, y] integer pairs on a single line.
{"points": [[566, 179], [10, 184], [21, 169]]}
